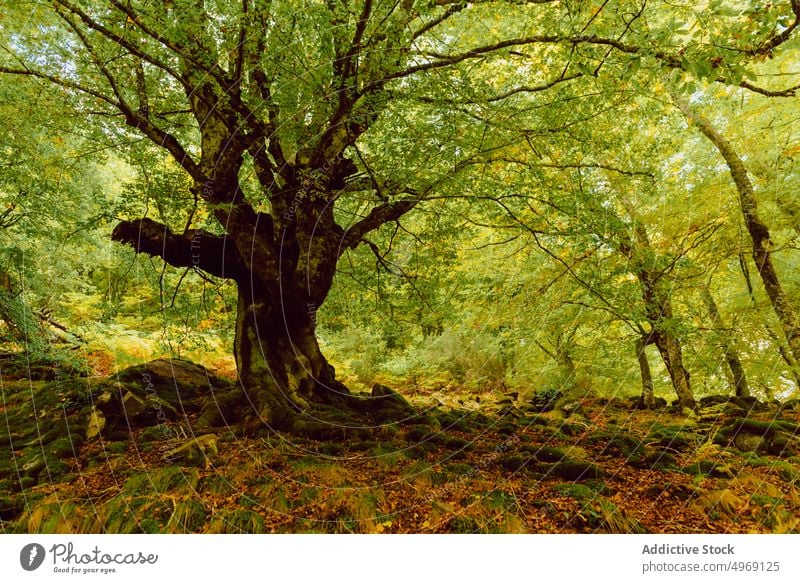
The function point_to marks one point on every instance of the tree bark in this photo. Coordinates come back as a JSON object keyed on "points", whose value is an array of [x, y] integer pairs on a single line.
{"points": [[280, 364], [658, 308], [648, 398], [758, 230], [281, 368], [738, 377], [670, 349]]}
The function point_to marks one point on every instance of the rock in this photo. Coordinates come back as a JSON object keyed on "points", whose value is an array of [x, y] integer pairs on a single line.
{"points": [[543, 453], [713, 413], [219, 408], [416, 433], [749, 404], [536, 419], [671, 438], [748, 442], [573, 429], [574, 470], [658, 403], [767, 431], [197, 452], [133, 405], [154, 392], [26, 482], [713, 400], [96, 424], [514, 462], [545, 400], [104, 398], [713, 469], [383, 396], [571, 407], [10, 507], [617, 443], [190, 379], [34, 466], [64, 447], [507, 428], [634, 403], [783, 445], [652, 460]]}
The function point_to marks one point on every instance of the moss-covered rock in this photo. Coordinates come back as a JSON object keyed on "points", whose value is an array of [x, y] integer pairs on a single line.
{"points": [[199, 452], [545, 399], [672, 438], [542, 453], [332, 449], [417, 433], [514, 462], [616, 443], [652, 460], [784, 445], [775, 436], [709, 468], [10, 507], [577, 491]]}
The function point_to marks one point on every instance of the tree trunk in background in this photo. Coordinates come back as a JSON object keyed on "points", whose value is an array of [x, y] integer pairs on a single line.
{"points": [[566, 366], [22, 323], [759, 233], [672, 355], [738, 377], [562, 356], [657, 306], [648, 399], [780, 342]]}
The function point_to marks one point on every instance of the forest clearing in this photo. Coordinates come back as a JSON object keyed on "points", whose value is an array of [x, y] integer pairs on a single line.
{"points": [[399, 266]]}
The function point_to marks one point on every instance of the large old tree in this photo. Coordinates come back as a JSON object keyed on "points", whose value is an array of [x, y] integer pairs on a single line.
{"points": [[285, 90]]}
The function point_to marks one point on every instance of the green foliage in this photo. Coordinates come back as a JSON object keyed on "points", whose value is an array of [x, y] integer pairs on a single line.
{"points": [[566, 205]]}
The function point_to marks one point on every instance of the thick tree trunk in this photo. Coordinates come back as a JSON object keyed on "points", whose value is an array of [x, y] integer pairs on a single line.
{"points": [[281, 367], [648, 399], [280, 364], [737, 375]]}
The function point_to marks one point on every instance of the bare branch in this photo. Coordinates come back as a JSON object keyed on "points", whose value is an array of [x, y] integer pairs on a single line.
{"points": [[384, 213]]}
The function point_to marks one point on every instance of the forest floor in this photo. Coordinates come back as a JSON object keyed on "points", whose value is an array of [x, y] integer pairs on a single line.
{"points": [[598, 465]]}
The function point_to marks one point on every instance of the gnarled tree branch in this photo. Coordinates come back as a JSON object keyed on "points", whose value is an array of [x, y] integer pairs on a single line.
{"points": [[195, 248], [384, 213]]}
